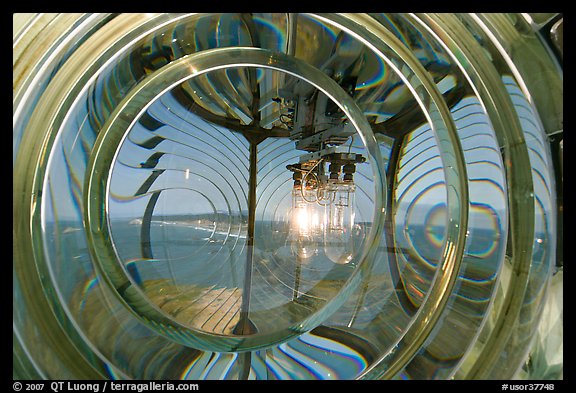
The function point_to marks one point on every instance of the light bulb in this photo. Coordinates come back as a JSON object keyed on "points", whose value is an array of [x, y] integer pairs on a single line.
{"points": [[339, 226], [307, 223]]}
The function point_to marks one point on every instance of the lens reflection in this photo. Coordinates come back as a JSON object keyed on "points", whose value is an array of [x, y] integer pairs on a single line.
{"points": [[203, 181]]}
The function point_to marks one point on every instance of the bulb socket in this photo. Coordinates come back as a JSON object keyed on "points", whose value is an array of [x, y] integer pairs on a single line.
{"points": [[349, 168]]}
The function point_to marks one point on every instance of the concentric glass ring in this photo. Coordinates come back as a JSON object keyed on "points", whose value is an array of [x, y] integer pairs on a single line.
{"points": [[158, 160], [115, 132]]}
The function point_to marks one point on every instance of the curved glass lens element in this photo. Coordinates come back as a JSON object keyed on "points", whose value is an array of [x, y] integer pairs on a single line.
{"points": [[286, 196], [114, 152]]}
